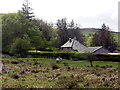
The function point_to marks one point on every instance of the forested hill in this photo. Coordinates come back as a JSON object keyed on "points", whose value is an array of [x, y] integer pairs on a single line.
{"points": [[93, 30], [90, 29]]}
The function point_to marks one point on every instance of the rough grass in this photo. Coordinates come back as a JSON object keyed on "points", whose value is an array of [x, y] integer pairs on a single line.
{"points": [[47, 62], [39, 73]]}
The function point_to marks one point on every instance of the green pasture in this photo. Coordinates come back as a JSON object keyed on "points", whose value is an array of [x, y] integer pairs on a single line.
{"points": [[46, 62]]}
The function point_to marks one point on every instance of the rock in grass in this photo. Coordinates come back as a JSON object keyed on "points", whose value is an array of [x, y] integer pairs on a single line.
{"points": [[15, 76], [65, 64], [55, 67], [14, 62], [5, 70]]}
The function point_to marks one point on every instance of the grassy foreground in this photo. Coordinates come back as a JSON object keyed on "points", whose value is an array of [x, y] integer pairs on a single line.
{"points": [[46, 73]]}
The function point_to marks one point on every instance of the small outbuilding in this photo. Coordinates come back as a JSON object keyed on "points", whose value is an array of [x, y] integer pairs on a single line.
{"points": [[73, 45]]}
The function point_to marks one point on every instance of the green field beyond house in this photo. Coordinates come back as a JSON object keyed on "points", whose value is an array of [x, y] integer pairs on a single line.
{"points": [[46, 73]]}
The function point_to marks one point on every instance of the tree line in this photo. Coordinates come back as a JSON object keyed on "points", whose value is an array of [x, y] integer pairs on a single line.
{"points": [[21, 32]]}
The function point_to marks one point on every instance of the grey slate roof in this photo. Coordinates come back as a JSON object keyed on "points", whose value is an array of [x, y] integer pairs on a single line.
{"points": [[92, 49], [77, 46], [68, 43]]}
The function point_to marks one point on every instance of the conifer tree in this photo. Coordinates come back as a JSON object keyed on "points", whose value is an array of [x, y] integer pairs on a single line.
{"points": [[104, 38], [27, 10]]}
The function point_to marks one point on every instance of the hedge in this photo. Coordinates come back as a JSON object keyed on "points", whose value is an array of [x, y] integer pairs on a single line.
{"points": [[77, 56], [50, 54]]}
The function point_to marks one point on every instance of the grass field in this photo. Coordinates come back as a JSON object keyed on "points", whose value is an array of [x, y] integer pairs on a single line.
{"points": [[46, 73]]}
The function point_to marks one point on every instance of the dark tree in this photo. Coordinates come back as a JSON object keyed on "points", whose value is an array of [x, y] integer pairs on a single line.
{"points": [[68, 30], [74, 31], [27, 10], [62, 31], [104, 38]]}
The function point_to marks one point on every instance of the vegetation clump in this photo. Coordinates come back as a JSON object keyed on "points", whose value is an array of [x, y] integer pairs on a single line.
{"points": [[54, 66], [67, 82]]}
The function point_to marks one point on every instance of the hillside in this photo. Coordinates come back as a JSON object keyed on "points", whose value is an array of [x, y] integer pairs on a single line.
{"points": [[90, 29]]}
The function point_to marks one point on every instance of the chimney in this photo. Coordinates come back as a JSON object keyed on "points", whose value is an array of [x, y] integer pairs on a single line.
{"points": [[75, 38], [70, 40]]}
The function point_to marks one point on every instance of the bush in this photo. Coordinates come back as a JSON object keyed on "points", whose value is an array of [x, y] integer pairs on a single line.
{"points": [[78, 56], [106, 57], [50, 54]]}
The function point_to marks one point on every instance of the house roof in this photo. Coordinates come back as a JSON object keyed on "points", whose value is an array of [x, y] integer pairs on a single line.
{"points": [[92, 49], [74, 44], [77, 46], [69, 43]]}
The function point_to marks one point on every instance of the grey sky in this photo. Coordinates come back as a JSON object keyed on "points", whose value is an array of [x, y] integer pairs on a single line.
{"points": [[87, 13]]}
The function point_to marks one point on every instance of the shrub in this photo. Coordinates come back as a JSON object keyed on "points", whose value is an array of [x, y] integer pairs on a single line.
{"points": [[78, 56], [107, 57]]}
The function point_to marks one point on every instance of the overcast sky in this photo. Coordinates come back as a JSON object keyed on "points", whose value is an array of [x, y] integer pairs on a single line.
{"points": [[87, 13]]}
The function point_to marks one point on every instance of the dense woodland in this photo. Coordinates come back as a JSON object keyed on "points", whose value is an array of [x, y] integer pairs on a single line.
{"points": [[21, 31]]}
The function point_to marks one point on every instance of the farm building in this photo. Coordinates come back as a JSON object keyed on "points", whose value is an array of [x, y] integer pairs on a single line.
{"points": [[72, 45]]}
